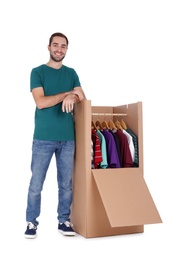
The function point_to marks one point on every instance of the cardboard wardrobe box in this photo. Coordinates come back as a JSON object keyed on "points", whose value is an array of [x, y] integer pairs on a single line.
{"points": [[112, 201]]}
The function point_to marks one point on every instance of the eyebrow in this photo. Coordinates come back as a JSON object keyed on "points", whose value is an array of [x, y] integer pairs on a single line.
{"points": [[55, 43]]}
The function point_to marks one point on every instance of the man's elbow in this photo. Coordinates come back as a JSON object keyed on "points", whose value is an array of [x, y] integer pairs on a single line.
{"points": [[40, 105]]}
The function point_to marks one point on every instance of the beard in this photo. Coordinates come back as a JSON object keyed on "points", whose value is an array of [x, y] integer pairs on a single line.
{"points": [[56, 60]]}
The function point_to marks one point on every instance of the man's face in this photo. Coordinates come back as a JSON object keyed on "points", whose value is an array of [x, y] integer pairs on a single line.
{"points": [[58, 49]]}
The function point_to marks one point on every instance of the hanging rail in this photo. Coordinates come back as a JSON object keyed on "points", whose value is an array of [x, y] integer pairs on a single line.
{"points": [[108, 114]]}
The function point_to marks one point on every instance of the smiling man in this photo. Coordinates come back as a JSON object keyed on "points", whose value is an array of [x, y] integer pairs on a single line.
{"points": [[55, 88]]}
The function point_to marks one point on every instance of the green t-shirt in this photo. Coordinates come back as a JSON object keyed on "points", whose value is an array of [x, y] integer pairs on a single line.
{"points": [[52, 123]]}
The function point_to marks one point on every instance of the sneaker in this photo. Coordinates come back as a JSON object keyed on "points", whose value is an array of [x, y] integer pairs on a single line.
{"points": [[30, 231], [66, 228]]}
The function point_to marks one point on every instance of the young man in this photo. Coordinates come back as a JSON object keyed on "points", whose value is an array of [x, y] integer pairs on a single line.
{"points": [[55, 88]]}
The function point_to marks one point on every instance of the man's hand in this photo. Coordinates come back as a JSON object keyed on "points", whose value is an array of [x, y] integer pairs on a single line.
{"points": [[68, 103], [74, 96]]}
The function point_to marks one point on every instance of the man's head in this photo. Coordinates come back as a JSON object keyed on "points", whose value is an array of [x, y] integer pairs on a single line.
{"points": [[58, 45]]}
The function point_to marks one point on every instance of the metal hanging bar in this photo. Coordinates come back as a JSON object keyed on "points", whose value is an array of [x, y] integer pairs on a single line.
{"points": [[109, 114]]}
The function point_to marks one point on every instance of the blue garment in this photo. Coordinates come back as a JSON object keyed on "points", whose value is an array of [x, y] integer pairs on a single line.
{"points": [[42, 152]]}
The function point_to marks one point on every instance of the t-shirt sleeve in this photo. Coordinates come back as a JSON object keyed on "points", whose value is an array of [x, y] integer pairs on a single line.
{"points": [[76, 80], [35, 79]]}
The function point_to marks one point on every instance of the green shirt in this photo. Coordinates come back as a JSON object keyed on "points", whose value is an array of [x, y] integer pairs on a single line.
{"points": [[52, 123]]}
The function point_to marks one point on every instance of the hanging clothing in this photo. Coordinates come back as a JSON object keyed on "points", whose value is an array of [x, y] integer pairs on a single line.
{"points": [[125, 155], [97, 149], [112, 154], [117, 144], [103, 163], [135, 142], [130, 143]]}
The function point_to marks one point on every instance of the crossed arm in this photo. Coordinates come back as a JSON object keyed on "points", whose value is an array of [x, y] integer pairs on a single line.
{"points": [[67, 98]]}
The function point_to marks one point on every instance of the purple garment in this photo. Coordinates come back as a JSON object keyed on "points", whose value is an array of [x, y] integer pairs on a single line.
{"points": [[112, 154]]}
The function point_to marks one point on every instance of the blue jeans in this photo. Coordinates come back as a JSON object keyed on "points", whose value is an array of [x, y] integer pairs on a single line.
{"points": [[42, 152]]}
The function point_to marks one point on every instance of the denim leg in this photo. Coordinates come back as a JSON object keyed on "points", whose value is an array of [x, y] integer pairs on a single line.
{"points": [[42, 152], [65, 163]]}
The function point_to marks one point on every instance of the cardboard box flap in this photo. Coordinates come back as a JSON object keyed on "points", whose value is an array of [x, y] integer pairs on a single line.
{"points": [[126, 198]]}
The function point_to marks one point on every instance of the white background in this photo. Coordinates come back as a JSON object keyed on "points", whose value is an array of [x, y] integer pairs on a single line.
{"points": [[124, 52]]}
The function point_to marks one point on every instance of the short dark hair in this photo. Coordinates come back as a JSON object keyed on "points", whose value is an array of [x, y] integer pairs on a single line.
{"points": [[57, 34]]}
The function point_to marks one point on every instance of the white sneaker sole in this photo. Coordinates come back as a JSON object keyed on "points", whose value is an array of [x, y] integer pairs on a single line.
{"points": [[30, 236], [67, 233]]}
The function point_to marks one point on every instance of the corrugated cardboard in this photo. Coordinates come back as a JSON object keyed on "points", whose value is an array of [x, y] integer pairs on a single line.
{"points": [[109, 201]]}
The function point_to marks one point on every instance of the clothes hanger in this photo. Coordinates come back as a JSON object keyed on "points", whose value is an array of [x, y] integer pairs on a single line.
{"points": [[123, 124], [105, 125], [98, 125], [93, 126], [118, 125], [112, 125]]}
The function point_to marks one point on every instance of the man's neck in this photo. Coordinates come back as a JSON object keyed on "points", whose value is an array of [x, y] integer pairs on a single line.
{"points": [[54, 64]]}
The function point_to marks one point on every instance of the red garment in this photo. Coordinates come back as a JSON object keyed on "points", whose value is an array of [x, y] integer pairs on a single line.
{"points": [[97, 149], [125, 154]]}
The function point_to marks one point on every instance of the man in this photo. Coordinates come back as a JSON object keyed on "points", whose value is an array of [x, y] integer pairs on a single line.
{"points": [[55, 88]]}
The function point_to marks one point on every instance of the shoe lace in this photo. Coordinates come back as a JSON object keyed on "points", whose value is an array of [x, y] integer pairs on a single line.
{"points": [[68, 224], [31, 225]]}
